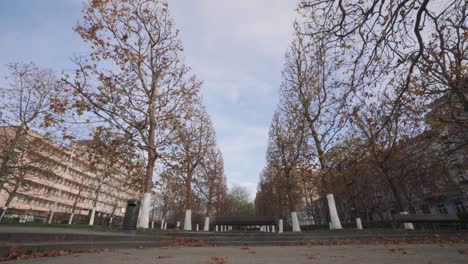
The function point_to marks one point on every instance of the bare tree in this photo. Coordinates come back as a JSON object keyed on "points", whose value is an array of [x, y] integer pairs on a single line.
{"points": [[31, 103], [133, 78], [380, 38], [193, 139]]}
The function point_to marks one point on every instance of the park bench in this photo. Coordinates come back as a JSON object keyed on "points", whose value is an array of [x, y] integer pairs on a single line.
{"points": [[245, 220], [434, 220]]}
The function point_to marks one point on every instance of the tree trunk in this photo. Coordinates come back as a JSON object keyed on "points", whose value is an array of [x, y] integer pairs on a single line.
{"points": [[12, 194], [70, 221], [152, 156], [10, 154]]}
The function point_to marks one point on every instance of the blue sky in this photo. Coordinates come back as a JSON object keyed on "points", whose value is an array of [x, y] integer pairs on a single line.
{"points": [[236, 47]]}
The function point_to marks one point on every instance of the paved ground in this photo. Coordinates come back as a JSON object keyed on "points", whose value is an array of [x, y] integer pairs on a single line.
{"points": [[414, 254]]}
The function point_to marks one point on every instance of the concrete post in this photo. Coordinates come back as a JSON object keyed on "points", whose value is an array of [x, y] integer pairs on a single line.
{"points": [[197, 228], [216, 228], [335, 220], [70, 220], [206, 227], [143, 221], [162, 224], [280, 226], [268, 229], [51, 217], [273, 229], [165, 225], [408, 226], [295, 222], [3, 213], [358, 223], [178, 224], [188, 220], [91, 219]]}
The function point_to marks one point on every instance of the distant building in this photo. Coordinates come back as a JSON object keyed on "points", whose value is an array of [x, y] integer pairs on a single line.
{"points": [[59, 179], [449, 176]]}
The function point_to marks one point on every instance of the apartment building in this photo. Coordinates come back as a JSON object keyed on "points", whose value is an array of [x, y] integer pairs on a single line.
{"points": [[53, 182]]}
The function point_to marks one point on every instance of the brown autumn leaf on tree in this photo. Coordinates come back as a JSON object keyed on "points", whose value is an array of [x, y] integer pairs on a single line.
{"points": [[134, 77]]}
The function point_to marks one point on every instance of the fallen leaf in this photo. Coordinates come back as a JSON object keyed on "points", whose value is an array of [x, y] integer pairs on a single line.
{"points": [[218, 260], [317, 256]]}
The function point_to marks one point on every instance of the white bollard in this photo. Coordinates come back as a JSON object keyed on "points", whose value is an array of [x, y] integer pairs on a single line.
{"points": [[188, 220], [335, 220], [280, 226], [197, 228], [70, 220], [216, 228], [206, 227], [295, 222], [165, 225], [273, 229], [178, 224], [408, 226], [93, 214], [358, 223], [268, 229]]}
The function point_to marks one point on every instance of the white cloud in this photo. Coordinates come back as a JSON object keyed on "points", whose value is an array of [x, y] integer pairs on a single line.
{"points": [[237, 47], [229, 82], [263, 27]]}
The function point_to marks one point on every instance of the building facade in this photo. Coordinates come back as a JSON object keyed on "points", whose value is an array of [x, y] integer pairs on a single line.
{"points": [[53, 183]]}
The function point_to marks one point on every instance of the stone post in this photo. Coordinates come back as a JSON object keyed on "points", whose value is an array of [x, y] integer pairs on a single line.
{"points": [[280, 226], [70, 220], [295, 222], [206, 227], [335, 220], [51, 217], [188, 220], [358, 223], [408, 226]]}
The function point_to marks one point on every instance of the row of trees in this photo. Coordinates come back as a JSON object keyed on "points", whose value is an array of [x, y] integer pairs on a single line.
{"points": [[140, 98], [373, 107]]}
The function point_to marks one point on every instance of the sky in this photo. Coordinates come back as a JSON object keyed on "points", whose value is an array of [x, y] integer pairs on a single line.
{"points": [[236, 47]]}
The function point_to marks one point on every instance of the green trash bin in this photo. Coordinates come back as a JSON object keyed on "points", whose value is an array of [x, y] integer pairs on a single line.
{"points": [[131, 215]]}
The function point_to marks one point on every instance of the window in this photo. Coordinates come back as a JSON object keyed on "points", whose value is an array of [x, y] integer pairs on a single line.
{"points": [[442, 209]]}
